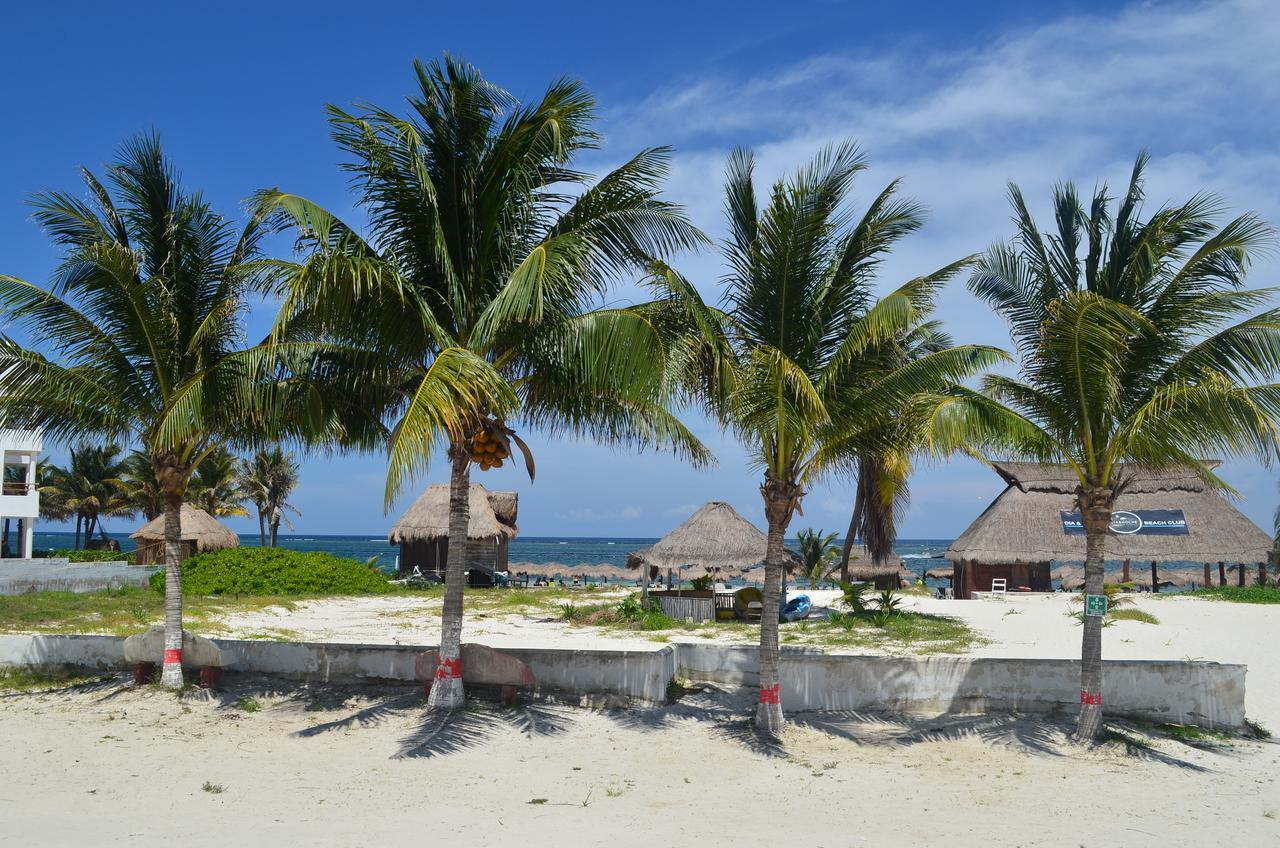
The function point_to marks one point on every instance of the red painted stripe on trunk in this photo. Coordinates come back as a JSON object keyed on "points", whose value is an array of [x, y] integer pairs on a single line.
{"points": [[448, 669], [771, 694], [1093, 700], [172, 655]]}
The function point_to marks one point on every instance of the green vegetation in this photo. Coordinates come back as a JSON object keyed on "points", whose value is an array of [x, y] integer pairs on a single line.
{"points": [[1240, 594], [84, 555], [275, 571], [1134, 615], [248, 705], [213, 788], [116, 612], [907, 632]]}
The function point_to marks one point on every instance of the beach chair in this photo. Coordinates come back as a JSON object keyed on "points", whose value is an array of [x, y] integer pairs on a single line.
{"points": [[999, 587], [748, 603]]}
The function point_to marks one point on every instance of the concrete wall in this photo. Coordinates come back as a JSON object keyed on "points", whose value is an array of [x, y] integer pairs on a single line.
{"points": [[1201, 693], [597, 676], [56, 574]]}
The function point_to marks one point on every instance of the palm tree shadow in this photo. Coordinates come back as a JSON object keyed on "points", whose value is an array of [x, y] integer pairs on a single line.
{"points": [[367, 716], [441, 734]]}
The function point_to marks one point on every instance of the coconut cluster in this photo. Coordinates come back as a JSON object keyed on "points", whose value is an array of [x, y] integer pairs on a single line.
{"points": [[489, 446]]}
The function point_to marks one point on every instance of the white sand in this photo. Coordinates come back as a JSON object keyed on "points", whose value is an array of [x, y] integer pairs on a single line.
{"points": [[118, 766]]}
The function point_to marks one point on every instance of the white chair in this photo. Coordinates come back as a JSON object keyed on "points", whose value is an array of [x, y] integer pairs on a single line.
{"points": [[999, 587], [949, 593]]}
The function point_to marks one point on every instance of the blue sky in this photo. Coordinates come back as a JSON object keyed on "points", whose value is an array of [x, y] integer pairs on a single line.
{"points": [[956, 100]]}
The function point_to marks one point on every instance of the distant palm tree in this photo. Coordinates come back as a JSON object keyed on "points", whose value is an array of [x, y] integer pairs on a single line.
{"points": [[817, 555], [88, 489], [267, 479], [215, 485], [477, 296], [139, 339], [140, 487], [883, 470], [799, 316], [1129, 358]]}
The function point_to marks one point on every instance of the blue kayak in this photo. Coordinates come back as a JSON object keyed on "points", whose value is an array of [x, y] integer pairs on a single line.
{"points": [[795, 609]]}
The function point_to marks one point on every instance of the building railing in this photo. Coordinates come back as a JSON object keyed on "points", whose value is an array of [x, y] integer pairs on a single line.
{"points": [[17, 488]]}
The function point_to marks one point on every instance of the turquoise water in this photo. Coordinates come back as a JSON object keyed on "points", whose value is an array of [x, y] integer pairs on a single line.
{"points": [[919, 554]]}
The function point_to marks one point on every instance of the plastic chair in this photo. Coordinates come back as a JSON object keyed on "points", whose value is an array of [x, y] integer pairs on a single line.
{"points": [[999, 586]]}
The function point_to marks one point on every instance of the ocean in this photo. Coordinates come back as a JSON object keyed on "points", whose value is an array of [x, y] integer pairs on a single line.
{"points": [[918, 554]]}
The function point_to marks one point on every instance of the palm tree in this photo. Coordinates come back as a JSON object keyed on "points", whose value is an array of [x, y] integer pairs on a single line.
{"points": [[1137, 349], [215, 485], [799, 317], [139, 486], [139, 337], [882, 492], [88, 488], [267, 480], [817, 555], [477, 295]]}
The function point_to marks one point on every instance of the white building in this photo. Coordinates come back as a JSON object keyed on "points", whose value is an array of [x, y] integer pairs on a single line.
{"points": [[18, 496]]}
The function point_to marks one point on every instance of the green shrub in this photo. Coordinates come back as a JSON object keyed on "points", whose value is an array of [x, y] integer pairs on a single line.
{"points": [[1240, 594], [1133, 615], [275, 571]]}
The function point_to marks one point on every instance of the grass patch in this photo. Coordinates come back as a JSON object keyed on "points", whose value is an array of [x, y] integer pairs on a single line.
{"points": [[29, 679], [1131, 614], [248, 705], [213, 788], [1240, 594], [118, 612], [913, 632]]}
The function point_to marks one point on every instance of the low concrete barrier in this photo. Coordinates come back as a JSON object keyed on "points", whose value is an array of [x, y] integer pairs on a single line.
{"points": [[1208, 694], [1202, 693], [630, 676], [57, 574]]}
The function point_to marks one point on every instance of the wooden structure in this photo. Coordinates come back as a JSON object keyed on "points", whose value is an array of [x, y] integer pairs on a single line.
{"points": [[1024, 531], [715, 540], [200, 532], [423, 533]]}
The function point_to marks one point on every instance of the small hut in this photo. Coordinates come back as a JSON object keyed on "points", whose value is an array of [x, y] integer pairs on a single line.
{"points": [[423, 533], [1162, 516], [890, 574], [200, 532], [715, 538]]}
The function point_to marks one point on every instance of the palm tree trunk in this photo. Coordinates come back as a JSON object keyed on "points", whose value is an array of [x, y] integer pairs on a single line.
{"points": [[1097, 519], [171, 676], [780, 500], [79, 518], [273, 526], [447, 691], [854, 520], [262, 527]]}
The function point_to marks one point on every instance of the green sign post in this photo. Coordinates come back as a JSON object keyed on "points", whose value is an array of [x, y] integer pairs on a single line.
{"points": [[1095, 605]]}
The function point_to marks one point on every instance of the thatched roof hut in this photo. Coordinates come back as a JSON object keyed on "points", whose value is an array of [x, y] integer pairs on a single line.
{"points": [[493, 515], [715, 537], [944, 572], [1025, 523], [200, 532], [423, 532], [1164, 516]]}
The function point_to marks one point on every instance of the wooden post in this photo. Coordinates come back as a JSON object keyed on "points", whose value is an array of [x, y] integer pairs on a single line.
{"points": [[1262, 574], [1222, 573], [1155, 577], [1240, 565], [1124, 576], [1208, 580]]}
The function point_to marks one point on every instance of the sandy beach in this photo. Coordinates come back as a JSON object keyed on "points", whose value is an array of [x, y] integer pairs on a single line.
{"points": [[267, 763]]}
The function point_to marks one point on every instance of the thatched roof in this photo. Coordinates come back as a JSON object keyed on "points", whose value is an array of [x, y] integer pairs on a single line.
{"points": [[945, 572], [492, 514], [197, 526], [861, 567], [715, 537], [583, 569], [1024, 523]]}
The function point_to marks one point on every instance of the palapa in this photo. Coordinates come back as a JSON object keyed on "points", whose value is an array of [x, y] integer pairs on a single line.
{"points": [[715, 537], [200, 532], [493, 515], [1024, 524]]}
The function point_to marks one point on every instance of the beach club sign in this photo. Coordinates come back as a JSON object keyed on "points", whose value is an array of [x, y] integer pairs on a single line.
{"points": [[1138, 522]]}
